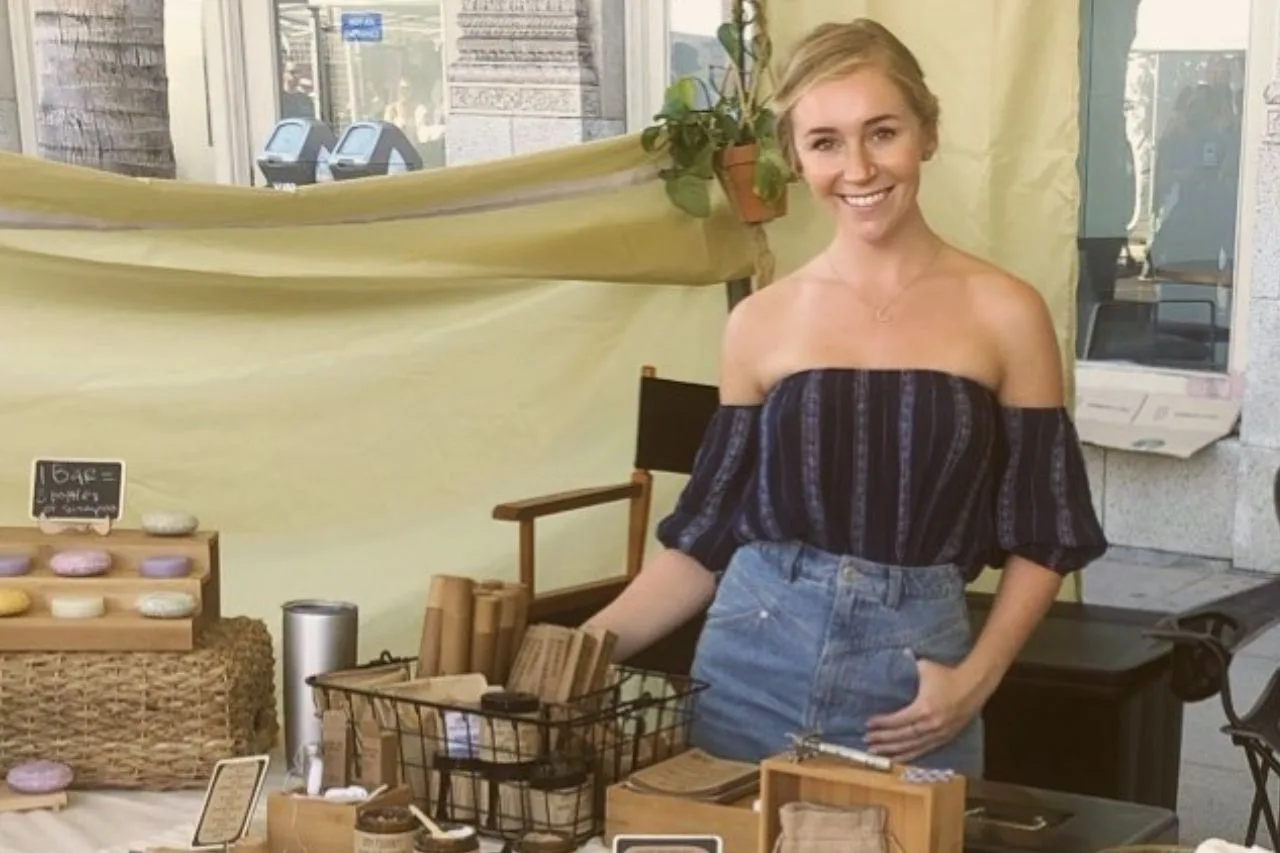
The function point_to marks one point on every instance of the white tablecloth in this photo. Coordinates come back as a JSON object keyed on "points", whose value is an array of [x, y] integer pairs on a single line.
{"points": [[125, 821]]}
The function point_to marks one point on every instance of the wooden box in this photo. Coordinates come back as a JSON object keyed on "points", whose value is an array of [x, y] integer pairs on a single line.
{"points": [[297, 823], [630, 812], [922, 818], [121, 628]]}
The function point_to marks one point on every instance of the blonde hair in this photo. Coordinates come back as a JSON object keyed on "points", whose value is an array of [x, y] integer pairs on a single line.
{"points": [[832, 51]]}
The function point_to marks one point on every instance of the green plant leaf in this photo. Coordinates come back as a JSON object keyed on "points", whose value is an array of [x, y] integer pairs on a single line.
{"points": [[652, 138], [765, 125], [690, 194], [679, 99], [731, 40], [703, 165], [771, 175]]}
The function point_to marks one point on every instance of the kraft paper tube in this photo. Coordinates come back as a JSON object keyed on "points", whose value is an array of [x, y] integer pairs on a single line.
{"points": [[521, 595], [505, 652], [484, 634], [455, 627], [432, 624]]}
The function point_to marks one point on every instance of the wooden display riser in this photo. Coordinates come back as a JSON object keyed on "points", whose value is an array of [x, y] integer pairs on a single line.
{"points": [[14, 802], [121, 628]]}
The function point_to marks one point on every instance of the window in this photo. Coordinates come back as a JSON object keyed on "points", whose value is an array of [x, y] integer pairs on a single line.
{"points": [[1162, 123], [467, 82], [347, 63]]}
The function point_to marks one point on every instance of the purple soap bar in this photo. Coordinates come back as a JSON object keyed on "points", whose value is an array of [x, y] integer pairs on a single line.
{"points": [[39, 777], [164, 566], [12, 565], [80, 564]]}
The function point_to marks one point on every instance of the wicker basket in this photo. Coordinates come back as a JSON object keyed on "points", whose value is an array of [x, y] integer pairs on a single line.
{"points": [[152, 721]]}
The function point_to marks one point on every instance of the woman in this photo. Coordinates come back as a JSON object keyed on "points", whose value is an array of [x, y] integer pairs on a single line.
{"points": [[892, 421]]}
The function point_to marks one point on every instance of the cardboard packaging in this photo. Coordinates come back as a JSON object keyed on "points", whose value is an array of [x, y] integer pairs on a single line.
{"points": [[297, 823], [631, 812]]}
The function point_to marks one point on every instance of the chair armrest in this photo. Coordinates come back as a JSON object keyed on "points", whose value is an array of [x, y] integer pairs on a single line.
{"points": [[531, 508]]}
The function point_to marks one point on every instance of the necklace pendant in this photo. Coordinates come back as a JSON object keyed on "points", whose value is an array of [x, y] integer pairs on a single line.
{"points": [[882, 315]]}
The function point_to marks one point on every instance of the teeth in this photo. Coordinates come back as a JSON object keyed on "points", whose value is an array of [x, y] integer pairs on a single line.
{"points": [[865, 200]]}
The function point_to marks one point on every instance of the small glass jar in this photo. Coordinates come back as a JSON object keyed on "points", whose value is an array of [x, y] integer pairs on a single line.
{"points": [[462, 839], [385, 830], [545, 842], [506, 737]]}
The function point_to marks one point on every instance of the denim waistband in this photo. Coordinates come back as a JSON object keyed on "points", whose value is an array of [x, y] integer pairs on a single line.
{"points": [[799, 561]]}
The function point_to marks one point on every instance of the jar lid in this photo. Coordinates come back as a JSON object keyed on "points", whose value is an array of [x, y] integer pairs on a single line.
{"points": [[510, 702], [545, 842]]}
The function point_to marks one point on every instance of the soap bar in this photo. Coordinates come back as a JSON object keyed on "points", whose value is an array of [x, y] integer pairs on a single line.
{"points": [[80, 564], [167, 605], [77, 606], [14, 602], [165, 566], [12, 565], [39, 777], [169, 523]]}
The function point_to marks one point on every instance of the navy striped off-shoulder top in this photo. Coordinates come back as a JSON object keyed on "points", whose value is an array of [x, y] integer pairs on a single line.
{"points": [[904, 467]]}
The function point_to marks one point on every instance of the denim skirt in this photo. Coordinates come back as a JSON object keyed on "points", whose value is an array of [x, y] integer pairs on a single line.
{"points": [[801, 640]]}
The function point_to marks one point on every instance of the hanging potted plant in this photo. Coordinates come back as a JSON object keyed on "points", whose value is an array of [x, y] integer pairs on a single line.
{"points": [[725, 130]]}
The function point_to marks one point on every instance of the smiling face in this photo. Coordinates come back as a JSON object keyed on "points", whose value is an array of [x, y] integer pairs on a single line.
{"points": [[859, 146]]}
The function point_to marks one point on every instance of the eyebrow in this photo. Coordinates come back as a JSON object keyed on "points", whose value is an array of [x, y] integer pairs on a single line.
{"points": [[817, 131]]}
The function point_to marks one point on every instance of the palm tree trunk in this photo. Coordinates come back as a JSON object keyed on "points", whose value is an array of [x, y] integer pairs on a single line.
{"points": [[103, 88]]}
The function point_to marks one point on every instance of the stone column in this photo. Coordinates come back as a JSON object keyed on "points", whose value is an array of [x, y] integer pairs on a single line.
{"points": [[1257, 534], [528, 75], [10, 137]]}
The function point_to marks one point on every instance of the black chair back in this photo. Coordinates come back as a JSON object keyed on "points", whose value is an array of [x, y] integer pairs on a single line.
{"points": [[673, 418]]}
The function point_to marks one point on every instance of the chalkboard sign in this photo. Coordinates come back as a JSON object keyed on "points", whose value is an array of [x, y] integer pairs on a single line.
{"points": [[77, 489]]}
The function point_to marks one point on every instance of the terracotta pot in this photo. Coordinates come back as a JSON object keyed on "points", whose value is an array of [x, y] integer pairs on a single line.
{"points": [[736, 167]]}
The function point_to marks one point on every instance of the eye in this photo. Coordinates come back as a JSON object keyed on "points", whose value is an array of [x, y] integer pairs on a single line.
{"points": [[822, 143], [884, 134]]}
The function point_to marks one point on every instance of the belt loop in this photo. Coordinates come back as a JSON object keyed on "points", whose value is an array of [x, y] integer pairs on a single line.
{"points": [[893, 591]]}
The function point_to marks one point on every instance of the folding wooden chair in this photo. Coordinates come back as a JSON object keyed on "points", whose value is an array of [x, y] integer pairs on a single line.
{"points": [[672, 419]]}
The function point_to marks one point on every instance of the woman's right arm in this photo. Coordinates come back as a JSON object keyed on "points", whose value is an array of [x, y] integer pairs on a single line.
{"points": [[673, 587]]}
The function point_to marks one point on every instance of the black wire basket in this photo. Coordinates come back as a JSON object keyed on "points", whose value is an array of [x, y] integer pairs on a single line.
{"points": [[513, 764]]}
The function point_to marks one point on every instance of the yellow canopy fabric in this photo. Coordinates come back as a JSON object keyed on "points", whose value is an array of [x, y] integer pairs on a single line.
{"points": [[344, 379]]}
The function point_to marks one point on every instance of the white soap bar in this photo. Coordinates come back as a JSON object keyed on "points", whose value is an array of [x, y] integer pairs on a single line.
{"points": [[77, 606], [167, 605], [169, 523]]}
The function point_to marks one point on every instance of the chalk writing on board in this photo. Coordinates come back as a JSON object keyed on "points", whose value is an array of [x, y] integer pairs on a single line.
{"points": [[230, 801], [77, 489]]}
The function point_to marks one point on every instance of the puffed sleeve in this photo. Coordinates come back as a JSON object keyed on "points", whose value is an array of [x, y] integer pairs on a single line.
{"points": [[1044, 509], [702, 523]]}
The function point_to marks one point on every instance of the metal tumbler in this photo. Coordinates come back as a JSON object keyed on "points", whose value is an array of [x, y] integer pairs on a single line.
{"points": [[319, 637]]}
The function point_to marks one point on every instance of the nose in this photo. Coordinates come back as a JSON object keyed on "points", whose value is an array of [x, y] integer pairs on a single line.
{"points": [[859, 168]]}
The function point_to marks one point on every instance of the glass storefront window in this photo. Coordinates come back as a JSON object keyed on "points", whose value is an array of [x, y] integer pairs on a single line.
{"points": [[333, 71], [693, 48], [1160, 118]]}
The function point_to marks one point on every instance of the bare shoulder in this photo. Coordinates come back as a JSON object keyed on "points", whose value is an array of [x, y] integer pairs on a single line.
{"points": [[1021, 333], [749, 331]]}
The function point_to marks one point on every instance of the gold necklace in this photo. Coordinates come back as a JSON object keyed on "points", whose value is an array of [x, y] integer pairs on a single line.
{"points": [[881, 314]]}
